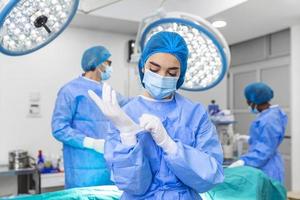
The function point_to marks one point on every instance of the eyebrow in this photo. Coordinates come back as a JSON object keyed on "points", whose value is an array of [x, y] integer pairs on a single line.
{"points": [[157, 65], [173, 68]]}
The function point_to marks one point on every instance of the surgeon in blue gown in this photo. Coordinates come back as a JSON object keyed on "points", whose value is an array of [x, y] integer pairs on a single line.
{"points": [[162, 145], [81, 126], [266, 132]]}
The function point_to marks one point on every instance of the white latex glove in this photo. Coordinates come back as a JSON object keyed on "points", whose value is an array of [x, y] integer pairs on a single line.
{"points": [[159, 134], [95, 144], [238, 163], [110, 108]]}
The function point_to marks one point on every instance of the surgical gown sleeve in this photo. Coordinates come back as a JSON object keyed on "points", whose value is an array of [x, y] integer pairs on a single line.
{"points": [[199, 166], [130, 168], [270, 136], [64, 111]]}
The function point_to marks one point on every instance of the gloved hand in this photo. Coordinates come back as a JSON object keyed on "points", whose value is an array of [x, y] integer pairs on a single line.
{"points": [[159, 134], [110, 107], [238, 163], [95, 144]]}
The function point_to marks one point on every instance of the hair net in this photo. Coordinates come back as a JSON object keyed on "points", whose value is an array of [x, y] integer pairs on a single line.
{"points": [[166, 42], [93, 57], [258, 93]]}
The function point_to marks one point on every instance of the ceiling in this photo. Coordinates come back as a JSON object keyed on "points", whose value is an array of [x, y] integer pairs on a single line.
{"points": [[245, 19], [258, 17], [105, 24], [135, 10], [123, 16]]}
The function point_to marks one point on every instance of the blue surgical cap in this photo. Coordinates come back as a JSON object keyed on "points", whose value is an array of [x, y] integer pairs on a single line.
{"points": [[93, 57], [258, 93], [166, 42]]}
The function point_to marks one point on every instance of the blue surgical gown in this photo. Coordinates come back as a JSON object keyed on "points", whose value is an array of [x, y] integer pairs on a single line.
{"points": [[144, 171], [266, 134], [75, 117]]}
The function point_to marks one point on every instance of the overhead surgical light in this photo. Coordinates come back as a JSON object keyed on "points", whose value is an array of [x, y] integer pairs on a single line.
{"points": [[28, 25], [209, 55]]}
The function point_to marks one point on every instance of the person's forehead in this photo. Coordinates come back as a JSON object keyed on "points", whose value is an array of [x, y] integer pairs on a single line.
{"points": [[164, 60], [161, 55]]}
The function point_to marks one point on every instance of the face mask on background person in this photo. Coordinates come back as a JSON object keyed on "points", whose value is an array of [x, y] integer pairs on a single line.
{"points": [[253, 110], [107, 73]]}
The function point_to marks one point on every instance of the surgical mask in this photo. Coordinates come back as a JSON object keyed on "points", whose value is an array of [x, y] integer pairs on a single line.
{"points": [[253, 111], [159, 86], [106, 74]]}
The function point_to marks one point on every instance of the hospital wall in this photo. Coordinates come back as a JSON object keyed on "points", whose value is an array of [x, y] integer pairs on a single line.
{"points": [[295, 105]]}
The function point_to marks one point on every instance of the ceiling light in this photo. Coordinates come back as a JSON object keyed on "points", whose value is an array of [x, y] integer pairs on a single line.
{"points": [[219, 24]]}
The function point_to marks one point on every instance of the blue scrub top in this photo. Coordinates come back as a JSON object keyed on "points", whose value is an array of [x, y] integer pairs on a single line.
{"points": [[75, 117], [144, 171], [266, 134]]}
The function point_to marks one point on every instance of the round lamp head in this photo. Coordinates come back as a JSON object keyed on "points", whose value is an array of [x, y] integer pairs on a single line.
{"points": [[28, 25]]}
